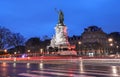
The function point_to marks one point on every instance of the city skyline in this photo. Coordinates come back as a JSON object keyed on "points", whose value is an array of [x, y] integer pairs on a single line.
{"points": [[38, 18]]}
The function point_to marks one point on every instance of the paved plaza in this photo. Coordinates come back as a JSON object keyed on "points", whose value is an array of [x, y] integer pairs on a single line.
{"points": [[58, 69]]}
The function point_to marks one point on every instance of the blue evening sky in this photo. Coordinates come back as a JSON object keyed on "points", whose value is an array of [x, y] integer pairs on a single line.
{"points": [[38, 17]]}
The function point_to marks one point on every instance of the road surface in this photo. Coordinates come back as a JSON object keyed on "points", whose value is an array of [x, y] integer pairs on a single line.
{"points": [[58, 69]]}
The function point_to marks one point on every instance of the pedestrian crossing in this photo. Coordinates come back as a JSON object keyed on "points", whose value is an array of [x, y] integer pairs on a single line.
{"points": [[52, 72]]}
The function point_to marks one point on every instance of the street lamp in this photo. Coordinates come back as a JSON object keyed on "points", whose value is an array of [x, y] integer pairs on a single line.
{"points": [[79, 43], [15, 56], [110, 40], [15, 52], [117, 51], [28, 51], [41, 50], [5, 50], [111, 44], [117, 46]]}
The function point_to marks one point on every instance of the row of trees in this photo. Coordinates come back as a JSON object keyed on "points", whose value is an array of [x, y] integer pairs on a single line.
{"points": [[35, 44]]}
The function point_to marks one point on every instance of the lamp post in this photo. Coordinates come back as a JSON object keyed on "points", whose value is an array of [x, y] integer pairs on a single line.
{"points": [[110, 40], [111, 44], [15, 56], [28, 52], [79, 43], [41, 51], [117, 53], [5, 50], [15, 52]]}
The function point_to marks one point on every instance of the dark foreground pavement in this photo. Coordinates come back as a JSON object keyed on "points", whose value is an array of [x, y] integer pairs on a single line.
{"points": [[58, 69]]}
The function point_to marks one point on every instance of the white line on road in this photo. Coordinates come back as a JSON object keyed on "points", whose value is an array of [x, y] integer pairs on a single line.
{"points": [[31, 75], [73, 70], [62, 74], [58, 72]]}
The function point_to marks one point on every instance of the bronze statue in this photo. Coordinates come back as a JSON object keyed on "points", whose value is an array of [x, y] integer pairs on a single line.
{"points": [[61, 17]]}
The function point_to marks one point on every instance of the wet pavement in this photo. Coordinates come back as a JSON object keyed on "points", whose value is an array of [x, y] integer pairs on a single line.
{"points": [[58, 69]]}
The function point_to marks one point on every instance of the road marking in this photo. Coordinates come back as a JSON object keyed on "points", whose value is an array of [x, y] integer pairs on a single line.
{"points": [[63, 72], [53, 73], [100, 74], [74, 70], [31, 75]]}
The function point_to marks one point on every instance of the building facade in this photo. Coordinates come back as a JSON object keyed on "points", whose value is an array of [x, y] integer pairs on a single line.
{"points": [[94, 42], [114, 42]]}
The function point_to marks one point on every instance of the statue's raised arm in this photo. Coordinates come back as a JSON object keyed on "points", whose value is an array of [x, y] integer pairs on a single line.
{"points": [[61, 17]]}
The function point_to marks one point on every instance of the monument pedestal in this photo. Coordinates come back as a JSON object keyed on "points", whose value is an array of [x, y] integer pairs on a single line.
{"points": [[60, 38]]}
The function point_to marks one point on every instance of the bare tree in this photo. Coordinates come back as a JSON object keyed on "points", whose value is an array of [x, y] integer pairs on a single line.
{"points": [[9, 39], [4, 37], [16, 39]]}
